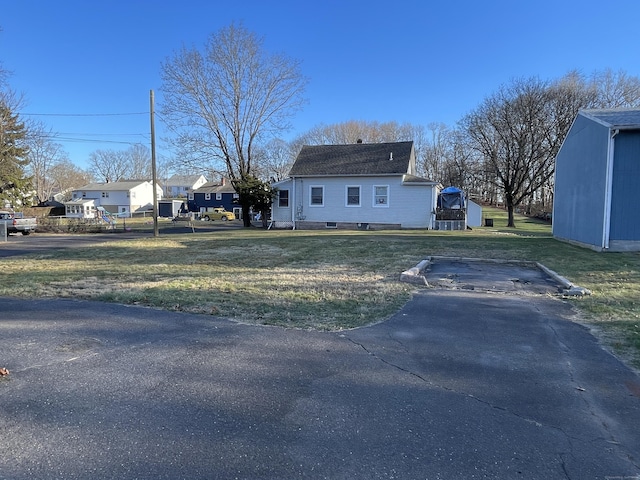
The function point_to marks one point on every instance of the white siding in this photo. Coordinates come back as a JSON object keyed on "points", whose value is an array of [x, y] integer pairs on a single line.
{"points": [[282, 214], [409, 205]]}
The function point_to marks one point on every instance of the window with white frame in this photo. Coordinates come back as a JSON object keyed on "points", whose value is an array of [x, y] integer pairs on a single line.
{"points": [[191, 196], [105, 194], [381, 195], [353, 195], [316, 196], [283, 198], [207, 196], [218, 196]]}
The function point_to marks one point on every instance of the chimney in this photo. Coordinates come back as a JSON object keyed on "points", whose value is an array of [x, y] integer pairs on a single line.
{"points": [[223, 181], [390, 156]]}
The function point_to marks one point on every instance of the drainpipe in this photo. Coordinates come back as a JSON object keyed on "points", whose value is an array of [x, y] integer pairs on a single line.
{"points": [[292, 202], [606, 230]]}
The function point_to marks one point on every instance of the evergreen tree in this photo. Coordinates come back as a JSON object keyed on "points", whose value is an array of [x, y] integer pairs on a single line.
{"points": [[254, 193], [14, 185]]}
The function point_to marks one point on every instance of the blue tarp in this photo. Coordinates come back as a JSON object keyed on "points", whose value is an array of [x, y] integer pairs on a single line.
{"points": [[451, 197]]}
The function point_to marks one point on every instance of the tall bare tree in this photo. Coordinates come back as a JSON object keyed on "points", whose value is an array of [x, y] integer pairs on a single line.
{"points": [[116, 165], [227, 99], [518, 139], [615, 89], [109, 165], [64, 176], [43, 155], [139, 159], [275, 160]]}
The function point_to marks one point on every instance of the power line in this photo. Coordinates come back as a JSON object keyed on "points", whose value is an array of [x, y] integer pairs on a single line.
{"points": [[90, 140], [145, 135], [83, 114]]}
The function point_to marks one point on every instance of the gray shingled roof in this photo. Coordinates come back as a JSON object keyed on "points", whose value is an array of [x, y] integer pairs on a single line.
{"points": [[616, 117], [353, 159], [215, 187]]}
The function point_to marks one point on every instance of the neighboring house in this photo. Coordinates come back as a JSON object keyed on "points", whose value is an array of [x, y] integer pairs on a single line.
{"points": [[123, 197], [355, 186], [596, 181], [213, 194], [80, 208], [181, 185]]}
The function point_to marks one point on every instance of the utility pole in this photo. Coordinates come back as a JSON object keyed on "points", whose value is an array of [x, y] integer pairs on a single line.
{"points": [[153, 166]]}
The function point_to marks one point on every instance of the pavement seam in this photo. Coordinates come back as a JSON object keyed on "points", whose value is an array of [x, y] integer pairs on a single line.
{"points": [[448, 389]]}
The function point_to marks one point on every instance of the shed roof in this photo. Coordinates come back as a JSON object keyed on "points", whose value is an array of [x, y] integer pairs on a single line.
{"points": [[353, 159], [626, 118]]}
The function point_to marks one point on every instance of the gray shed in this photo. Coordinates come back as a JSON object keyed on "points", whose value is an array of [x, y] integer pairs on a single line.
{"points": [[597, 179]]}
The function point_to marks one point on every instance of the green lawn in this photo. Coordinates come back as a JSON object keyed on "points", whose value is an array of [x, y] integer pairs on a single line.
{"points": [[323, 280]]}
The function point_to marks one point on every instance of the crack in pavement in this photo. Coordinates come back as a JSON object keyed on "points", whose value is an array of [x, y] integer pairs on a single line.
{"points": [[569, 439]]}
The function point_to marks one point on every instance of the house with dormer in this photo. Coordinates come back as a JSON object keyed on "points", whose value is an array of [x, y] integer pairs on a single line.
{"points": [[355, 186]]}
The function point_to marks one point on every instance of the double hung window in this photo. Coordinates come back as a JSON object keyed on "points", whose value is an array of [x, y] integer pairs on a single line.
{"points": [[381, 196], [316, 196], [353, 196]]}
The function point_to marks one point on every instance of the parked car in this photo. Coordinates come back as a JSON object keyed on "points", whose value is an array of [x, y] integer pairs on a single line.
{"points": [[16, 223], [217, 213]]}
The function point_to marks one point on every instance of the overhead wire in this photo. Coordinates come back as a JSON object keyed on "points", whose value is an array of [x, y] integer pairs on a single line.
{"points": [[76, 137]]}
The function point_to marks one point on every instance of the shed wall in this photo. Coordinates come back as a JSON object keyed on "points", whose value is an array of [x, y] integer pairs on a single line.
{"points": [[580, 184], [625, 215]]}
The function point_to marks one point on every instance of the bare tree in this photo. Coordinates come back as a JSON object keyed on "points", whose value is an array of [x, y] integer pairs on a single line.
{"points": [[275, 160], [109, 165], [437, 150], [227, 99], [116, 165], [65, 176], [510, 129], [139, 159], [43, 155], [615, 89]]}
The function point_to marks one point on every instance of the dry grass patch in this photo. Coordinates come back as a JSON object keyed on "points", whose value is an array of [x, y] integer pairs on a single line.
{"points": [[318, 279]]}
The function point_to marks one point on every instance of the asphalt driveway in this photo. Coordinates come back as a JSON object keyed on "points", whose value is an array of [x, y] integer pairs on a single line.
{"points": [[458, 384]]}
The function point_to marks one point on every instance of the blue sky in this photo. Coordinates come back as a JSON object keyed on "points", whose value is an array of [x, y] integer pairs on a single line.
{"points": [[415, 61]]}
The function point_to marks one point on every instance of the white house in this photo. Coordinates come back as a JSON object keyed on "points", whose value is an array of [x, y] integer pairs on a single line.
{"points": [[181, 185], [123, 197], [365, 186]]}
